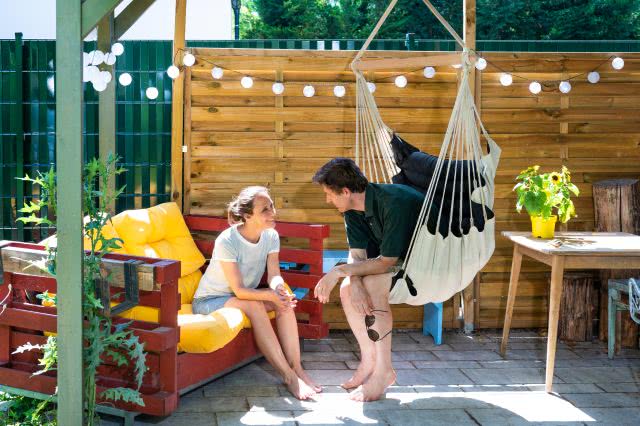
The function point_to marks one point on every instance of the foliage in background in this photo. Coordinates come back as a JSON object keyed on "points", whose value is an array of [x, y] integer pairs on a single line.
{"points": [[26, 411], [540, 194], [101, 336], [496, 19]]}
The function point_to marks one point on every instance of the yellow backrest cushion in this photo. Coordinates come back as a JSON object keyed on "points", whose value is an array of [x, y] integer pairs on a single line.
{"points": [[159, 232]]}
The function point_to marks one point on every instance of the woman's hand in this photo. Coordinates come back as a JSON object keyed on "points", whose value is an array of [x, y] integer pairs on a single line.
{"points": [[283, 298]]}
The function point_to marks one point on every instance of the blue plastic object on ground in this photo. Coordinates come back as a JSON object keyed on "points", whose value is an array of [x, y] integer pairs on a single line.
{"points": [[432, 322]]}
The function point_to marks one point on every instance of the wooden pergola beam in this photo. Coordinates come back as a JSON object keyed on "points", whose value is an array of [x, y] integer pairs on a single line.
{"points": [[93, 11], [129, 16], [177, 106], [69, 119]]}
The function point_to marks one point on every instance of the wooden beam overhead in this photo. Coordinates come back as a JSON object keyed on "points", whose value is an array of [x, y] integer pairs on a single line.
{"points": [[130, 15], [94, 10]]}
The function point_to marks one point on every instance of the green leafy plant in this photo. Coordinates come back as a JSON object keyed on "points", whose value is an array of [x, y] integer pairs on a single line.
{"points": [[541, 194], [102, 337]]}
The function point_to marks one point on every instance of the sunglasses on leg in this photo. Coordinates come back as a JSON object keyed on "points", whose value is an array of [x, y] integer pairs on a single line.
{"points": [[369, 320]]}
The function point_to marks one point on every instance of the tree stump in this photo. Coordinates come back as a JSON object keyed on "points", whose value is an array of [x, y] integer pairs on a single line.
{"points": [[578, 307], [617, 209]]}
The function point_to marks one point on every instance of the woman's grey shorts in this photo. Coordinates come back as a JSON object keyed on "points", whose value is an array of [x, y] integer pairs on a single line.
{"points": [[206, 305]]}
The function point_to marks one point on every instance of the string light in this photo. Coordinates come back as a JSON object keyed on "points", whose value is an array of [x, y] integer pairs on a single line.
{"points": [[308, 91], [278, 88], [246, 82], [617, 63], [506, 79], [188, 59], [593, 77], [125, 79], [151, 93], [401, 81], [110, 58], [173, 72], [339, 91], [106, 76], [117, 49], [97, 57], [217, 73], [372, 87], [481, 64], [565, 86], [535, 87], [99, 85], [429, 72]]}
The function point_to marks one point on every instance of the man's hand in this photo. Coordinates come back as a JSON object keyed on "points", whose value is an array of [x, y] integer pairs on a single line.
{"points": [[360, 299], [325, 285]]}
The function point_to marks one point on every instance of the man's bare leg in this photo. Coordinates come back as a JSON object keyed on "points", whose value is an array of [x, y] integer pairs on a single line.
{"points": [[367, 347], [383, 374]]}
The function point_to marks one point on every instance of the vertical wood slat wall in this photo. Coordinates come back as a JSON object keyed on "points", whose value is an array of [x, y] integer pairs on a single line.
{"points": [[239, 137]]}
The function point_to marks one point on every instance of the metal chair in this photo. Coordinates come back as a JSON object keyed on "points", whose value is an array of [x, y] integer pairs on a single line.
{"points": [[630, 287]]}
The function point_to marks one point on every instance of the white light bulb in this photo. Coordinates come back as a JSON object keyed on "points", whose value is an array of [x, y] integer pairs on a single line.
{"points": [[188, 59], [117, 49], [86, 59], [506, 79], [481, 64], [372, 87], [565, 86], [401, 81], [93, 72], [535, 87], [617, 63], [593, 77], [217, 73], [278, 88], [97, 57], [106, 76], [339, 91], [429, 72], [110, 58], [308, 91], [173, 72], [246, 82], [151, 93], [125, 79], [99, 86], [51, 85], [85, 74], [456, 66]]}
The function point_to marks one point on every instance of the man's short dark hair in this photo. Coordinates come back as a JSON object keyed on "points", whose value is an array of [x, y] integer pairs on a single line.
{"points": [[341, 173]]}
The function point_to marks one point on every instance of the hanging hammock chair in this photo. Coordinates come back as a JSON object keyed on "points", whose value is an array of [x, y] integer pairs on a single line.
{"points": [[455, 233]]}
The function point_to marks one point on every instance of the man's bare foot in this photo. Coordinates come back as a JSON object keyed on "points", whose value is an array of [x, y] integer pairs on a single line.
{"points": [[374, 387], [305, 377], [363, 371], [299, 388]]}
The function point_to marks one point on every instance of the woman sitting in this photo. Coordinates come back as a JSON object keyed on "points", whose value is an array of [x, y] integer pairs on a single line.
{"points": [[231, 280]]}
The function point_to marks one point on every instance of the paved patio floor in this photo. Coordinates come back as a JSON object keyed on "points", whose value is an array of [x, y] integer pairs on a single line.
{"points": [[462, 382]]}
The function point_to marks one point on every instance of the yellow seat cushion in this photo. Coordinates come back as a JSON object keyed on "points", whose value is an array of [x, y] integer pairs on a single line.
{"points": [[159, 232]]}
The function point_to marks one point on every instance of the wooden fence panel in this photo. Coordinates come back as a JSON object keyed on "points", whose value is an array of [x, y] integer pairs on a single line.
{"points": [[241, 137]]}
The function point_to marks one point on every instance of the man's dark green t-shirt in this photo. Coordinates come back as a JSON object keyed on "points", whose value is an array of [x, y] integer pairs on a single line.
{"points": [[388, 221]]}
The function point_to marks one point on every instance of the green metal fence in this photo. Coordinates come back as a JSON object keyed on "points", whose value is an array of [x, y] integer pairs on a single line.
{"points": [[27, 110]]}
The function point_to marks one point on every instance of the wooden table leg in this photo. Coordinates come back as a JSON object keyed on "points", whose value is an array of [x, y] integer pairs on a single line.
{"points": [[557, 270], [513, 287]]}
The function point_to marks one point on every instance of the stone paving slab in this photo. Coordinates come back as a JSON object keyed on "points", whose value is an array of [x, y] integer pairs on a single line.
{"points": [[464, 381]]}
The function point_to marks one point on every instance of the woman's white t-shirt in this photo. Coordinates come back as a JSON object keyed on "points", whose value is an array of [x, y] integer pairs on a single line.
{"points": [[251, 258]]}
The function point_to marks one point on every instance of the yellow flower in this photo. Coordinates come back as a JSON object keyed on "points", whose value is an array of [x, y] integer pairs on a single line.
{"points": [[555, 177]]}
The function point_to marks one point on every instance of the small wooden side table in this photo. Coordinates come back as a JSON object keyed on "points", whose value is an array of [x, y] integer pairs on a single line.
{"points": [[568, 250]]}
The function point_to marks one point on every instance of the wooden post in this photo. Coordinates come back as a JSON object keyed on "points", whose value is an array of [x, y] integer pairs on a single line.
{"points": [[469, 295], [616, 204], [177, 105], [107, 103], [69, 169], [578, 307], [186, 189]]}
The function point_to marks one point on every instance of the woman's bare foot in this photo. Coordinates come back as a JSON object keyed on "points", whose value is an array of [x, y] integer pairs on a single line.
{"points": [[299, 388], [374, 387], [305, 377], [363, 371]]}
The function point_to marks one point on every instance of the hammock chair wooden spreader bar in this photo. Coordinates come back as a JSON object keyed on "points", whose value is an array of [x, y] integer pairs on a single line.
{"points": [[455, 234]]}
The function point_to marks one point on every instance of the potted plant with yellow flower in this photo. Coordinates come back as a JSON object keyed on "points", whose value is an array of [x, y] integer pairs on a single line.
{"points": [[541, 194]]}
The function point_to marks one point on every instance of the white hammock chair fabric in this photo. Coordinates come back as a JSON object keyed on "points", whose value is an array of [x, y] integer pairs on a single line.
{"points": [[444, 256], [634, 299]]}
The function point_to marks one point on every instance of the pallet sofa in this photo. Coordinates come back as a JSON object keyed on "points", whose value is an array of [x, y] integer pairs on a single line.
{"points": [[184, 350]]}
